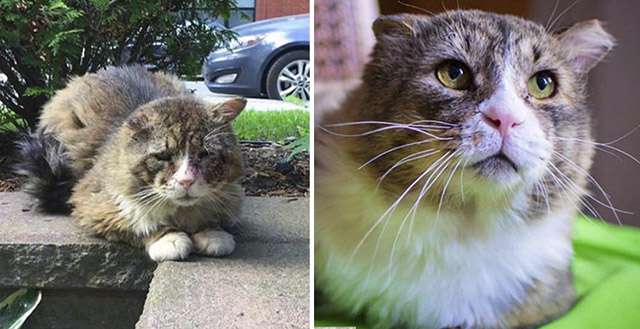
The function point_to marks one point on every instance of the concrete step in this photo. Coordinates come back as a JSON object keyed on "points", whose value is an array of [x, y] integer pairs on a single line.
{"points": [[261, 285], [51, 253], [48, 251]]}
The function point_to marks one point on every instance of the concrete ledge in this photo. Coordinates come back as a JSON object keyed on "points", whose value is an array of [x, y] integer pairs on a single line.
{"points": [[263, 284], [259, 286], [48, 251]]}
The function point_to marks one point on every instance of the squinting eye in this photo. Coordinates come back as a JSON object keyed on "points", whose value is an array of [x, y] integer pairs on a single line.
{"points": [[454, 75], [163, 156], [542, 85]]}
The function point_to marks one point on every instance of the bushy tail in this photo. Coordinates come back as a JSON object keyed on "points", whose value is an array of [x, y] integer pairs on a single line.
{"points": [[44, 162]]}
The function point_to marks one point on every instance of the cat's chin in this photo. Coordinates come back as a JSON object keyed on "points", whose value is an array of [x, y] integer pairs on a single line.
{"points": [[185, 201], [497, 169]]}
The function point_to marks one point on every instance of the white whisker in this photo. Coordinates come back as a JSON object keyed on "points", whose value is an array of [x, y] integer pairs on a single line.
{"points": [[395, 149]]}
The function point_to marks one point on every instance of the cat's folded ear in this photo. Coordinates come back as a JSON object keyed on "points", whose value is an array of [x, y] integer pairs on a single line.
{"points": [[586, 43], [395, 26], [140, 127], [228, 110]]}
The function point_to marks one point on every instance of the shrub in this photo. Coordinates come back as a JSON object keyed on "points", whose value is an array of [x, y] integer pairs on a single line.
{"points": [[45, 42]]}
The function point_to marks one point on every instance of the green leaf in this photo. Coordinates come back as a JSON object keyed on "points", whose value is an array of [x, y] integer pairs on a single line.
{"points": [[16, 308], [61, 37], [100, 4], [298, 146], [59, 4], [37, 91]]}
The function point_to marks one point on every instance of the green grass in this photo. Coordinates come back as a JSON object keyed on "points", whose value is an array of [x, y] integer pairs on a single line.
{"points": [[271, 125]]}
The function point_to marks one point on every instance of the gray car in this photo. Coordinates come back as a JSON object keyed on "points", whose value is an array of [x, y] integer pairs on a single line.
{"points": [[269, 58]]}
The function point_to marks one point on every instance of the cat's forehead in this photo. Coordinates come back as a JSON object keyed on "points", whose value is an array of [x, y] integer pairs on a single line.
{"points": [[482, 38], [492, 28]]}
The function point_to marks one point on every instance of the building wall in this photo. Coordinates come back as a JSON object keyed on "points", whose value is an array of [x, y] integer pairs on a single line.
{"points": [[277, 8]]}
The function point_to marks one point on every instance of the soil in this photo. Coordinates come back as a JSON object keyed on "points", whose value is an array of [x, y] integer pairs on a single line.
{"points": [[269, 172]]}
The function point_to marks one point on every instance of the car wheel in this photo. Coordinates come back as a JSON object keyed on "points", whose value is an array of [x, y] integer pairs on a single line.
{"points": [[290, 76]]}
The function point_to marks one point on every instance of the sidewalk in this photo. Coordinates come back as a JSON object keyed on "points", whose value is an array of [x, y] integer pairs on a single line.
{"points": [[258, 104]]}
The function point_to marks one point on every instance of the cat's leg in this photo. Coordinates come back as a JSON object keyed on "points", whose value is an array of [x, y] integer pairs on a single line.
{"points": [[213, 242], [168, 245]]}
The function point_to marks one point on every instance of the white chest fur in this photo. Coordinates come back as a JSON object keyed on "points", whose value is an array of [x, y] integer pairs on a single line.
{"points": [[430, 273], [144, 219]]}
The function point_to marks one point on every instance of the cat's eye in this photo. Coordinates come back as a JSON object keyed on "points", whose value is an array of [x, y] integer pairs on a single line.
{"points": [[542, 85], [203, 154], [454, 75], [163, 156]]}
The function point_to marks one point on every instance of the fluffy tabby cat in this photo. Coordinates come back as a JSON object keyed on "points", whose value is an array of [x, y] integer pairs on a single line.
{"points": [[448, 182], [139, 160]]}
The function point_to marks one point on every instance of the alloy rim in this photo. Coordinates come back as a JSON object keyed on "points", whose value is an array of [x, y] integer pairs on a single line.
{"points": [[293, 80]]}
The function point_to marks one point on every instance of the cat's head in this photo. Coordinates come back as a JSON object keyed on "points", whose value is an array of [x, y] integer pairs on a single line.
{"points": [[181, 149], [497, 96]]}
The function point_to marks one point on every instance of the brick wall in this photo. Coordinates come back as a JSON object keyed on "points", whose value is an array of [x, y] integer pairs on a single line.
{"points": [[276, 8]]}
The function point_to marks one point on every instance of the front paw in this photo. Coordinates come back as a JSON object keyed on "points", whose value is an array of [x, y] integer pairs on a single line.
{"points": [[171, 246], [213, 243]]}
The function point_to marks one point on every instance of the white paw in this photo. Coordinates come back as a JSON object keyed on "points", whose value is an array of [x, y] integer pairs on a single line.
{"points": [[172, 246], [214, 243]]}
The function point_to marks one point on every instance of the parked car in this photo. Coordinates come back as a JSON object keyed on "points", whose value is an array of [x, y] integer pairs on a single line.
{"points": [[269, 58]]}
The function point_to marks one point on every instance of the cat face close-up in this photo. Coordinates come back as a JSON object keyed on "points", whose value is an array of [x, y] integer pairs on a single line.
{"points": [[498, 96], [183, 167]]}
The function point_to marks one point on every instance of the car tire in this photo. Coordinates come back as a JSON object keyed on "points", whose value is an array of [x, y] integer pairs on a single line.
{"points": [[290, 60]]}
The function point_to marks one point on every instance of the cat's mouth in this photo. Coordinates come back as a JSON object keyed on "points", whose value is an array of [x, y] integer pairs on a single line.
{"points": [[497, 163], [185, 200]]}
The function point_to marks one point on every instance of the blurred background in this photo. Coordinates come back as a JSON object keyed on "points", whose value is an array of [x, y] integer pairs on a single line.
{"points": [[343, 39]]}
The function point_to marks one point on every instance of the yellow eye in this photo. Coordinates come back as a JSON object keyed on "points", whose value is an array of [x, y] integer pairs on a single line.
{"points": [[542, 85], [454, 75]]}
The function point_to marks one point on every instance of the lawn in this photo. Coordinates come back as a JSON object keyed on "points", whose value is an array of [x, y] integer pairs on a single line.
{"points": [[250, 125], [271, 125]]}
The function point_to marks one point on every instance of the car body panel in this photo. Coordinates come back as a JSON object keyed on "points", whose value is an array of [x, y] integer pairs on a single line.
{"points": [[277, 36]]}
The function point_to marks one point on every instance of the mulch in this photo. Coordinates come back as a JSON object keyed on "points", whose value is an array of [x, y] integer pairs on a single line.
{"points": [[270, 173]]}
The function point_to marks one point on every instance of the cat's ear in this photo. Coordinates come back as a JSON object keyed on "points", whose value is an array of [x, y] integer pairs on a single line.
{"points": [[394, 25], [586, 43], [140, 127], [229, 110]]}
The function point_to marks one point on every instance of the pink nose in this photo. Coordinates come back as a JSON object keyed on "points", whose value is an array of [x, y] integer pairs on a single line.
{"points": [[186, 182], [501, 120]]}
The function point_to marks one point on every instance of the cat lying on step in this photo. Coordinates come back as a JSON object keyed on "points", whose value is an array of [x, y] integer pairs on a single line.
{"points": [[138, 159]]}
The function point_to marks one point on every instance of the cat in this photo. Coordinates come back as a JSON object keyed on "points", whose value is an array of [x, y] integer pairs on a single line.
{"points": [[137, 159], [447, 183]]}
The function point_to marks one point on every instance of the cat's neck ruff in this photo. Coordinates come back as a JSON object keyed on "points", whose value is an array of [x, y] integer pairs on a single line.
{"points": [[448, 267], [144, 218]]}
